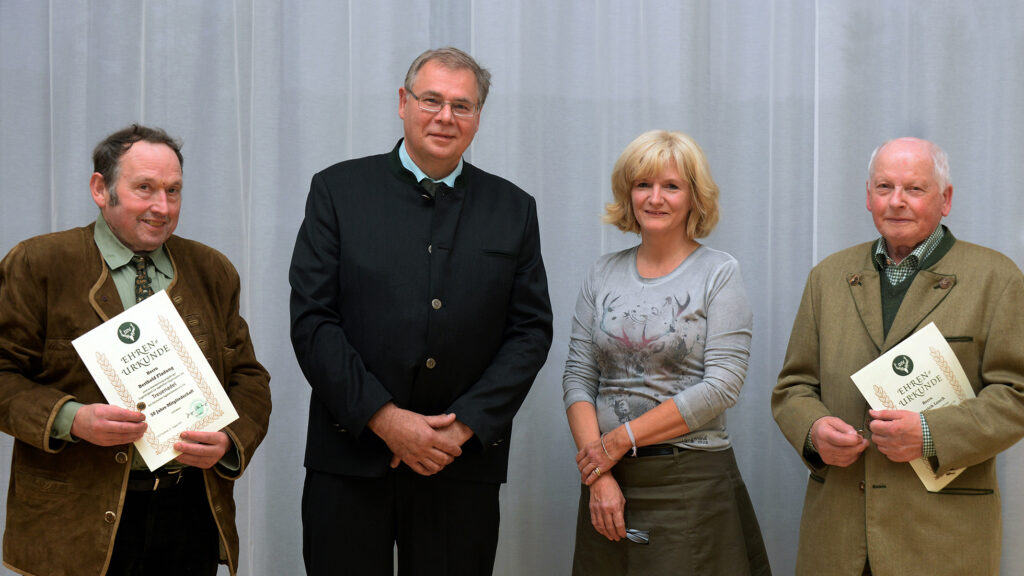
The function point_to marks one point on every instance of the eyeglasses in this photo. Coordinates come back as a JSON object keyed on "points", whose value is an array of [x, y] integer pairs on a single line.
{"points": [[433, 104], [638, 536]]}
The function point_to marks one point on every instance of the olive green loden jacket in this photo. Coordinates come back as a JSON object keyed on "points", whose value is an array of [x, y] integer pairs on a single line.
{"points": [[64, 500], [877, 508]]}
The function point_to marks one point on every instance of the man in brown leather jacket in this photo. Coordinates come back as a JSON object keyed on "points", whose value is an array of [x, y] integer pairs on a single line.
{"points": [[80, 500]]}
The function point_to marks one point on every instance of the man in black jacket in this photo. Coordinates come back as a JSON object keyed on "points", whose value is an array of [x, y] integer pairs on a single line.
{"points": [[420, 317]]}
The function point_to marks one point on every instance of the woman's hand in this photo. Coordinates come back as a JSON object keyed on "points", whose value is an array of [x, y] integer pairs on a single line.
{"points": [[595, 459], [607, 508]]}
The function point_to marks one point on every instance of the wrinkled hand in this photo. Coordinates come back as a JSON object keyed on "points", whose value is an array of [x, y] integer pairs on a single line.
{"points": [[456, 432], [838, 443], [106, 425], [202, 449], [607, 508], [592, 462], [419, 441], [897, 433]]}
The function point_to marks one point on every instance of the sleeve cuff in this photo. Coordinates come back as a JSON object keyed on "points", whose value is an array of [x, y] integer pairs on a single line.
{"points": [[809, 444], [61, 429], [231, 461], [927, 444]]}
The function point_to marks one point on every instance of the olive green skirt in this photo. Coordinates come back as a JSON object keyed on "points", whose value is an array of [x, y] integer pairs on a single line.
{"points": [[697, 514]]}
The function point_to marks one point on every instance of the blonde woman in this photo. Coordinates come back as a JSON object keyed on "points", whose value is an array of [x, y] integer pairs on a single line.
{"points": [[660, 340]]}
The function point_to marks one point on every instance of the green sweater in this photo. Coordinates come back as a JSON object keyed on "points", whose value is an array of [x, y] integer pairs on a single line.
{"points": [[892, 296]]}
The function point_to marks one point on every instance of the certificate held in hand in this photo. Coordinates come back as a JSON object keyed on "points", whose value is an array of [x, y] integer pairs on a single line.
{"points": [[145, 359], [921, 373]]}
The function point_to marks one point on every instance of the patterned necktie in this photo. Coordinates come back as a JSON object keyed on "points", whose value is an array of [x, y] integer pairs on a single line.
{"points": [[142, 288]]}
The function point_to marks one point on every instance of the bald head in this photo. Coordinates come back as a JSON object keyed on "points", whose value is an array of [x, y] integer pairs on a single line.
{"points": [[908, 192], [939, 159]]}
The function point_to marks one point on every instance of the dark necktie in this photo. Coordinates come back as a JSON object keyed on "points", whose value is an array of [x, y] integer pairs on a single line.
{"points": [[431, 187], [142, 288]]}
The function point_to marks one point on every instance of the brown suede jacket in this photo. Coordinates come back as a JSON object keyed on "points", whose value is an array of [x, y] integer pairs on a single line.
{"points": [[64, 501]]}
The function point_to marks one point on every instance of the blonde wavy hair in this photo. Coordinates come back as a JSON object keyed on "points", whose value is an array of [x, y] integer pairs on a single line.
{"points": [[646, 157]]}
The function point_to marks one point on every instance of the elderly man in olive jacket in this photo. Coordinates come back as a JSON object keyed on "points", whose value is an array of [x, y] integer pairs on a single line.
{"points": [[865, 510], [81, 502]]}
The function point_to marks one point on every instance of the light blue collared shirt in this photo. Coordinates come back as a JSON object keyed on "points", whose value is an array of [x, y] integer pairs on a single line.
{"points": [[411, 166]]}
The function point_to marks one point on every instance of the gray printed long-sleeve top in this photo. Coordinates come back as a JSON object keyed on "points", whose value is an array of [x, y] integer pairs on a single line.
{"points": [[637, 342]]}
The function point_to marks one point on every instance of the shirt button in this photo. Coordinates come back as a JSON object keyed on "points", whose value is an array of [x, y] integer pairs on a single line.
{"points": [[430, 248], [861, 486], [431, 363], [435, 304], [121, 457], [109, 517]]}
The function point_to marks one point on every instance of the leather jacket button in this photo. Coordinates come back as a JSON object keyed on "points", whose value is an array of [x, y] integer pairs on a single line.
{"points": [[121, 457], [431, 363], [109, 517], [435, 304]]}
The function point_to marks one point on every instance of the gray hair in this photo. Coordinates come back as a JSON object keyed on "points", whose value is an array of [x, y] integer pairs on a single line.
{"points": [[940, 161], [453, 59]]}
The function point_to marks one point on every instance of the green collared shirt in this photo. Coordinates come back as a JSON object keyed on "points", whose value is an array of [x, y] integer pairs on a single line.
{"points": [[897, 273], [119, 258]]}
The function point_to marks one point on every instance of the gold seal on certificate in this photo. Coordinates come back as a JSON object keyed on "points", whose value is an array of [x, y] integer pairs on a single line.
{"points": [[145, 359], [918, 374]]}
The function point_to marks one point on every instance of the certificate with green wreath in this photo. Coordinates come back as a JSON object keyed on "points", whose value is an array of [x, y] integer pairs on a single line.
{"points": [[145, 359], [921, 373]]}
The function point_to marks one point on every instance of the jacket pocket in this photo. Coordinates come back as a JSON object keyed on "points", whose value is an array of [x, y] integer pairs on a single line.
{"points": [[966, 492], [501, 253], [33, 484]]}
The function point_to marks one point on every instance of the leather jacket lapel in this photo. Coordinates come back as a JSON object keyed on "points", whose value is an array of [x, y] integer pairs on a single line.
{"points": [[103, 295]]}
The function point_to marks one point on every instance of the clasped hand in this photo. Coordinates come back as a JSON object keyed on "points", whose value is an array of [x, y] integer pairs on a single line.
{"points": [[593, 460], [425, 443], [897, 433]]}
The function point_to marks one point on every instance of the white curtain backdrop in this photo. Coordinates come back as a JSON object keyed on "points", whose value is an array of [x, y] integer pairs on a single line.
{"points": [[787, 98]]}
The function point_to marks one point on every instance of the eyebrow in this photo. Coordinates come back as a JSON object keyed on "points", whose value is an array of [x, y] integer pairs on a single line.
{"points": [[432, 94], [152, 180]]}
